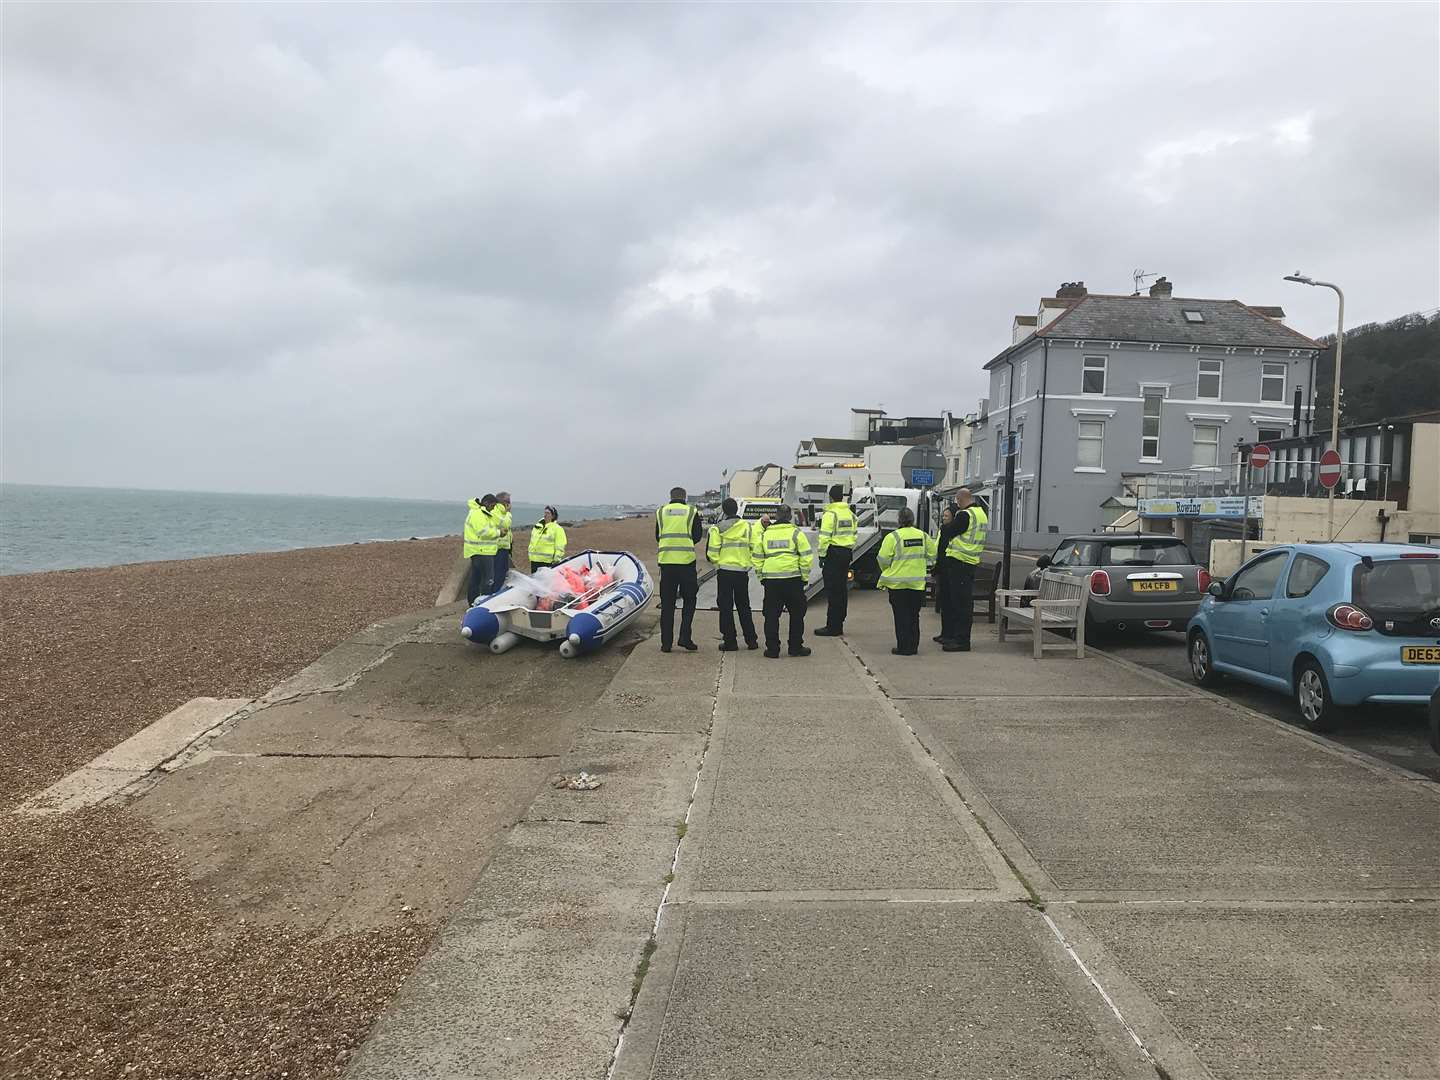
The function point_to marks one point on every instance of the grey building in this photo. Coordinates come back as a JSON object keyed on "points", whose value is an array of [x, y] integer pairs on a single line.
{"points": [[1100, 389]]}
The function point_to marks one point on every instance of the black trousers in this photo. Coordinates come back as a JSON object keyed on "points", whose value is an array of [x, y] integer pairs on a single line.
{"points": [[677, 579], [960, 585], [837, 587], [905, 605], [732, 594], [502, 567], [784, 594], [482, 569], [539, 565]]}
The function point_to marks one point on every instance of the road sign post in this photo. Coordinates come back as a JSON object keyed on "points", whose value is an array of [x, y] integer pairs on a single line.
{"points": [[1329, 477]]}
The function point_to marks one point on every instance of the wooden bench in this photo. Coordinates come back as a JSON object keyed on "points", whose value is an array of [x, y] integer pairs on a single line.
{"points": [[1059, 604], [986, 579]]}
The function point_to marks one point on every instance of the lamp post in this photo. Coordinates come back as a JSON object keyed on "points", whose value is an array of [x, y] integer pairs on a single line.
{"points": [[1335, 396]]}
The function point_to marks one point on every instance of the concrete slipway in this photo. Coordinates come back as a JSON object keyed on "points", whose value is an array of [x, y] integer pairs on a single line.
{"points": [[853, 865], [948, 865]]}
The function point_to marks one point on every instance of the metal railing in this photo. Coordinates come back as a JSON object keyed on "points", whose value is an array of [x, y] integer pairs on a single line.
{"points": [[1297, 479]]}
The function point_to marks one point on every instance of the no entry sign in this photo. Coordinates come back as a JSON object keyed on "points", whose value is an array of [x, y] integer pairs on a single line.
{"points": [[1329, 469], [1259, 456]]}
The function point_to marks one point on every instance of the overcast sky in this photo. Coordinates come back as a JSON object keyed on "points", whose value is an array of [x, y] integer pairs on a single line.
{"points": [[588, 252]]}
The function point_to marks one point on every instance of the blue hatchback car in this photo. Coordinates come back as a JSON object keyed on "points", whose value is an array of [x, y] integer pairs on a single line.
{"points": [[1333, 625]]}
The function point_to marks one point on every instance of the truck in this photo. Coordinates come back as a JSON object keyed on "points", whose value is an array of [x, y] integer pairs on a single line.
{"points": [[880, 507]]}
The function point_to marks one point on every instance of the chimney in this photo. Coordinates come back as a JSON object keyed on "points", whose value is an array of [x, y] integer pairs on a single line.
{"points": [[1161, 289], [1071, 290]]}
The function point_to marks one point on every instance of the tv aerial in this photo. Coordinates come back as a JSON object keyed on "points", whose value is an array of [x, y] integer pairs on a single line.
{"points": [[1140, 277]]}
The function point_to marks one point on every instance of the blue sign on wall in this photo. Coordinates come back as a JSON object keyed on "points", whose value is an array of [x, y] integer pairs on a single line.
{"points": [[922, 477]]}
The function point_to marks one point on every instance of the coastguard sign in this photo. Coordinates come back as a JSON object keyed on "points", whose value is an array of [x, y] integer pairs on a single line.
{"points": [[1222, 506]]}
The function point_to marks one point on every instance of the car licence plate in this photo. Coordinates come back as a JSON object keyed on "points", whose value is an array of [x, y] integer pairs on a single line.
{"points": [[1420, 654], [1153, 586]]}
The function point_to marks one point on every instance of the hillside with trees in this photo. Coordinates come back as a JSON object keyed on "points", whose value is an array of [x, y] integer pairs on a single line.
{"points": [[1389, 369]]}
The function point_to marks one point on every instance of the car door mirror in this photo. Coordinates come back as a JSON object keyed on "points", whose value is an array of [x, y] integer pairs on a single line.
{"points": [[1216, 589], [1042, 562]]}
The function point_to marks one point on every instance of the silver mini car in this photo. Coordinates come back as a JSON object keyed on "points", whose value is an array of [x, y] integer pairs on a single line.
{"points": [[1137, 581]]}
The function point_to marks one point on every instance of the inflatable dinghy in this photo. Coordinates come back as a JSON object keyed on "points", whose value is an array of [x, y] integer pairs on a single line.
{"points": [[582, 602]]}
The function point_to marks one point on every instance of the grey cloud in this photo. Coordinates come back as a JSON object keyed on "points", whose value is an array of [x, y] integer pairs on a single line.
{"points": [[713, 229]]}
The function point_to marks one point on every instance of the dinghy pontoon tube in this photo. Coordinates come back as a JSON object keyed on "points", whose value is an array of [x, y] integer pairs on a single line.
{"points": [[582, 624]]}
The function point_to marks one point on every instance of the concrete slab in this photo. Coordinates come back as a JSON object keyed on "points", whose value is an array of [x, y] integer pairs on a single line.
{"points": [[848, 990], [1320, 993], [339, 843], [86, 786], [993, 669], [444, 700], [1186, 799], [332, 670], [650, 670], [531, 979], [637, 709], [822, 795], [441, 626], [397, 628], [829, 665], [170, 734], [647, 779], [120, 766]]}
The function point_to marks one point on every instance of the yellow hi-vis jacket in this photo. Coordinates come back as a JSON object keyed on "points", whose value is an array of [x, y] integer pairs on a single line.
{"points": [[482, 531], [837, 527], [674, 525], [781, 551], [547, 542], [730, 549], [968, 545], [502, 516], [904, 555]]}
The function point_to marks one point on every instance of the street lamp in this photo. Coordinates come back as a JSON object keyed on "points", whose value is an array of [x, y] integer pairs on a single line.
{"points": [[1335, 397]]}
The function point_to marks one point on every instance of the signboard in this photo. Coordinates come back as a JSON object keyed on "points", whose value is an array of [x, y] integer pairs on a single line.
{"points": [[922, 477], [1329, 469], [1221, 506], [1259, 456]]}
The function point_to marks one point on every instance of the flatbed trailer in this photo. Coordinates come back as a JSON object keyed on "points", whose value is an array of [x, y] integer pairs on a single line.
{"points": [[866, 541]]}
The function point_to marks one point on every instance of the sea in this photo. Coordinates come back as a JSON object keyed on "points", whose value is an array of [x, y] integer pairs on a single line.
{"points": [[65, 528]]}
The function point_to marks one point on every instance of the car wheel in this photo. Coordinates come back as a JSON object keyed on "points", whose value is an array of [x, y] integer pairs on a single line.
{"points": [[1095, 632], [1202, 667], [1318, 711]]}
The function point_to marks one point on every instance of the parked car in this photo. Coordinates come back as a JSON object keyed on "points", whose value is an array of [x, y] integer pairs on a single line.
{"points": [[1333, 625], [1137, 581]]}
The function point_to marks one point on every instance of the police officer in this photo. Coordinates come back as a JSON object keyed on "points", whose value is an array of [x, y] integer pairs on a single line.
{"points": [[904, 555], [837, 543], [728, 547], [782, 558], [547, 541], [677, 531], [482, 540], [962, 556], [502, 548]]}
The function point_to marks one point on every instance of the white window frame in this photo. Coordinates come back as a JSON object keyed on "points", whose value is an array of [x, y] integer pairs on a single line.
{"points": [[1081, 437], [1019, 445], [1219, 374], [967, 463], [1146, 393], [999, 450], [1267, 376], [1195, 442], [1086, 367], [1261, 437], [1024, 378], [1002, 393]]}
